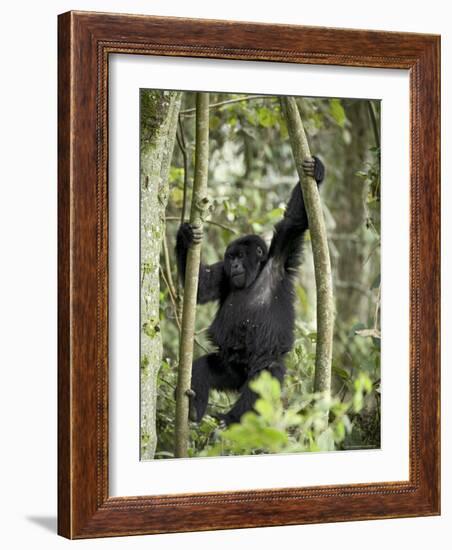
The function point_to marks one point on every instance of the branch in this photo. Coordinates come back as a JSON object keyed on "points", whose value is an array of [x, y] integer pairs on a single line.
{"points": [[322, 264], [183, 147], [198, 205], [373, 119], [169, 274], [172, 298], [377, 308], [228, 102], [218, 224], [198, 343]]}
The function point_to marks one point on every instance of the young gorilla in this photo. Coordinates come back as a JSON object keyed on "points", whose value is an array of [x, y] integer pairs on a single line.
{"points": [[253, 327]]}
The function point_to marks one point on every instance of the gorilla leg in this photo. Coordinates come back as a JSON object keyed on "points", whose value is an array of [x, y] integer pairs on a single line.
{"points": [[209, 372], [247, 397]]}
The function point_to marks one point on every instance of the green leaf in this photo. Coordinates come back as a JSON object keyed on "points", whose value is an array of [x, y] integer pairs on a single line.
{"points": [[267, 387], [176, 175], [214, 122], [274, 214], [339, 431], [283, 129], [177, 196], [302, 296], [337, 111], [265, 409], [273, 438], [265, 117], [342, 373]]}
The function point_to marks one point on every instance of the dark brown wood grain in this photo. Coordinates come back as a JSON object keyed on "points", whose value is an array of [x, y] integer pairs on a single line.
{"points": [[64, 295], [85, 42]]}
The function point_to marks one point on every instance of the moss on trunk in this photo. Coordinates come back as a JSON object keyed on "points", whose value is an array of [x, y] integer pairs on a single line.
{"points": [[158, 123]]}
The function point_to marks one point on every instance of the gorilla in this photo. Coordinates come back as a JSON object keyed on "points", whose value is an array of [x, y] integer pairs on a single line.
{"points": [[254, 287]]}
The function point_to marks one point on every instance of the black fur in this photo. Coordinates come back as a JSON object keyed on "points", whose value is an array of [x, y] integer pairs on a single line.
{"points": [[253, 327]]}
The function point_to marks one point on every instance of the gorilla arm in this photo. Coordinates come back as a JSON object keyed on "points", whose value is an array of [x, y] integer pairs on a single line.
{"points": [[212, 279], [287, 242]]}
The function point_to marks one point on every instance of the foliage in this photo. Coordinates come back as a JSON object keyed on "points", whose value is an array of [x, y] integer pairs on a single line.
{"points": [[274, 428]]}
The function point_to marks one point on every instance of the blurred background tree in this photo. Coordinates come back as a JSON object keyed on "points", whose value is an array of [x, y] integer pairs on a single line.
{"points": [[251, 174]]}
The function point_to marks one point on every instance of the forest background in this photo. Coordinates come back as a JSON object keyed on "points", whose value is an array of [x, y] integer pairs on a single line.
{"points": [[251, 174]]}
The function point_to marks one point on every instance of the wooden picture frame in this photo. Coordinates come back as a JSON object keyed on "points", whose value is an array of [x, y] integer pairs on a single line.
{"points": [[85, 42]]}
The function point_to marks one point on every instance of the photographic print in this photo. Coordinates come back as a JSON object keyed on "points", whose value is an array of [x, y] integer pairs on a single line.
{"points": [[260, 305], [220, 275]]}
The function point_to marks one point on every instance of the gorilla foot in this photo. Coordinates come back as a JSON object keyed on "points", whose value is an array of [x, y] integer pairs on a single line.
{"points": [[225, 420]]}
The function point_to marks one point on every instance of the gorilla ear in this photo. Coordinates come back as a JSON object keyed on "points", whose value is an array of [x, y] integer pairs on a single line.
{"points": [[259, 251]]}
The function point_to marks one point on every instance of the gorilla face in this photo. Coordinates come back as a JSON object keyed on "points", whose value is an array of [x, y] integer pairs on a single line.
{"points": [[243, 260]]}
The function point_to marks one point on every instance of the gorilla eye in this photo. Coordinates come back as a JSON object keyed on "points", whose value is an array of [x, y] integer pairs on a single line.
{"points": [[259, 251]]}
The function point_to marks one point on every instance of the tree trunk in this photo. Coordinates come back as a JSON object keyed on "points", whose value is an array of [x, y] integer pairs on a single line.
{"points": [[158, 123], [322, 264], [198, 205], [349, 207]]}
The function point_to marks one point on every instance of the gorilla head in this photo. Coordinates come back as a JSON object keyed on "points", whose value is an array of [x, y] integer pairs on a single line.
{"points": [[243, 260]]}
